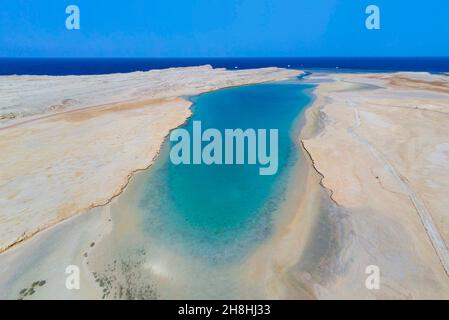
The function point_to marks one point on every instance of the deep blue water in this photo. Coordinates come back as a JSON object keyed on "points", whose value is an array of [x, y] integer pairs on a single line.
{"points": [[85, 66], [220, 211]]}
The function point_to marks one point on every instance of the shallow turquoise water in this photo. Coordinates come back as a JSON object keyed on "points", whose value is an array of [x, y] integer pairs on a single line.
{"points": [[218, 212]]}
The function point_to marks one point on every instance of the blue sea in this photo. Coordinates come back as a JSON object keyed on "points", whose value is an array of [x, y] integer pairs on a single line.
{"points": [[86, 66]]}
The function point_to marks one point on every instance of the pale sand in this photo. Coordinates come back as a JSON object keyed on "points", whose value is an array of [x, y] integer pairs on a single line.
{"points": [[60, 161], [32, 96], [382, 149]]}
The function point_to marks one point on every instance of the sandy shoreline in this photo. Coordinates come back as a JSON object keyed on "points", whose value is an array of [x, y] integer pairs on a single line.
{"points": [[58, 169], [257, 276], [372, 161]]}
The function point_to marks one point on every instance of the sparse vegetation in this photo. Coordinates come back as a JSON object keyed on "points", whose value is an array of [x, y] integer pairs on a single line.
{"points": [[124, 279], [26, 292]]}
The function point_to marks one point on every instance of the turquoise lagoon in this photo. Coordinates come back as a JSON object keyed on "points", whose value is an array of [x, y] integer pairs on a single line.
{"points": [[217, 213]]}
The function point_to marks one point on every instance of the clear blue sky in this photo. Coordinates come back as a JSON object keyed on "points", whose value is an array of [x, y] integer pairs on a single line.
{"points": [[223, 28]]}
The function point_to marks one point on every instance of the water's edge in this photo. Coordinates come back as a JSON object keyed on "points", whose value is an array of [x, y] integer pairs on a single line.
{"points": [[295, 193]]}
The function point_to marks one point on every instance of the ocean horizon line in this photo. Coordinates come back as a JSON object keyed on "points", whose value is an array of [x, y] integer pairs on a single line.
{"points": [[242, 57], [60, 66]]}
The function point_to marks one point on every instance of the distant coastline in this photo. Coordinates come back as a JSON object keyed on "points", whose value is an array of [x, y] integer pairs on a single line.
{"points": [[92, 66]]}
